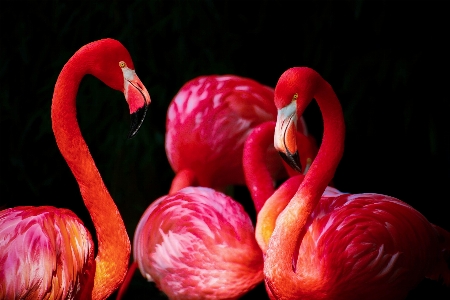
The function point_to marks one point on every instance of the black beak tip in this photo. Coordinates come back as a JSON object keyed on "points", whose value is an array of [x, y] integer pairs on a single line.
{"points": [[293, 160], [137, 118]]}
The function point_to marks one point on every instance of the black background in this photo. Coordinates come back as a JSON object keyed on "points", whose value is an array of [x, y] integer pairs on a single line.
{"points": [[387, 61]]}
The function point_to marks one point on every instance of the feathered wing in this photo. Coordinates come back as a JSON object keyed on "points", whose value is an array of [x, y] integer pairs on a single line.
{"points": [[198, 243], [366, 240], [208, 122], [46, 253]]}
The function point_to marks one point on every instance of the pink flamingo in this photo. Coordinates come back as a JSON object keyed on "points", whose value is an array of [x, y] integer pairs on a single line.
{"points": [[207, 124], [198, 244], [339, 246], [46, 252]]}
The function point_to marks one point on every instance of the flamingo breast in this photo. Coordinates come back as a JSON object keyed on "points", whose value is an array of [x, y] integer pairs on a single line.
{"points": [[45, 253]]}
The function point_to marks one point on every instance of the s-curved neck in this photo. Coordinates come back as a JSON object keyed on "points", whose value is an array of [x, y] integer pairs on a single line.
{"points": [[279, 271], [113, 242]]}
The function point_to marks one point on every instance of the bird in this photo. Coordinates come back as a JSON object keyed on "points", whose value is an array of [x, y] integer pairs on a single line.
{"points": [[340, 245], [198, 243], [207, 123], [47, 252]]}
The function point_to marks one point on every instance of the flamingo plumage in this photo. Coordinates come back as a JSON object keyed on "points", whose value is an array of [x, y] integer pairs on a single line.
{"points": [[338, 245], [198, 243], [207, 124], [46, 252]]}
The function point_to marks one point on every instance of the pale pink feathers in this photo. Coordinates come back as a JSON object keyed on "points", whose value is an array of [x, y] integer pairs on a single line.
{"points": [[44, 253], [208, 122], [198, 244]]}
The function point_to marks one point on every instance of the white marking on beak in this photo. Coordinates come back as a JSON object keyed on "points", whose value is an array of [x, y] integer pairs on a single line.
{"points": [[128, 74], [285, 116]]}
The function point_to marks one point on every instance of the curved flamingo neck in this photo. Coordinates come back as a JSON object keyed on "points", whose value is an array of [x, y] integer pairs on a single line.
{"points": [[322, 169], [268, 202], [257, 175], [280, 274], [113, 242]]}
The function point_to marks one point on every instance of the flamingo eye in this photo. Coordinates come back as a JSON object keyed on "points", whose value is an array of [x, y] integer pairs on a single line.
{"points": [[122, 64], [295, 97]]}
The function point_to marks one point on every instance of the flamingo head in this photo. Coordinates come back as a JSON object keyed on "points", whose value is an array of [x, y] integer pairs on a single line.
{"points": [[292, 90], [112, 64]]}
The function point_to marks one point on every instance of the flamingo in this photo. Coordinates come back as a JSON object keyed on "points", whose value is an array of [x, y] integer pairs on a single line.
{"points": [[198, 243], [339, 246], [46, 252], [207, 124]]}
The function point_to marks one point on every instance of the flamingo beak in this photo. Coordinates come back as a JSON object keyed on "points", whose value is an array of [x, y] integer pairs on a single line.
{"points": [[285, 140], [138, 99]]}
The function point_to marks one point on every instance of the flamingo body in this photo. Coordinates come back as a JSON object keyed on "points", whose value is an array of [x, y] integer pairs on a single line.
{"points": [[35, 239], [198, 244], [360, 247], [208, 122], [47, 253]]}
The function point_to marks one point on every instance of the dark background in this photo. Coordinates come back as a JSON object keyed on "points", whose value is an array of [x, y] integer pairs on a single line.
{"points": [[387, 61]]}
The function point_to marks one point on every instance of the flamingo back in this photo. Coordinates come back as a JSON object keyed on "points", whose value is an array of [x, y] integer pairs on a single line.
{"points": [[208, 122], [198, 244], [370, 240]]}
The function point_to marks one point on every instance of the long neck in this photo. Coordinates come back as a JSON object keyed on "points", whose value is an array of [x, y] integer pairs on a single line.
{"points": [[268, 202], [257, 175], [113, 241], [279, 271]]}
